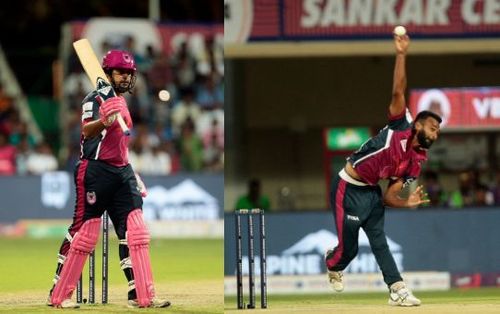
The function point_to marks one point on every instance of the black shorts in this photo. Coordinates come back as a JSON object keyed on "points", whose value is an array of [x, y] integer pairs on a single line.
{"points": [[102, 187]]}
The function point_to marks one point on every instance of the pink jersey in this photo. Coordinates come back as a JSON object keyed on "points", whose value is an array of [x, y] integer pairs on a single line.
{"points": [[111, 146], [389, 154]]}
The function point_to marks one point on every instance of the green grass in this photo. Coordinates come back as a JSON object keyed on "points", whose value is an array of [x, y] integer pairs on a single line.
{"points": [[481, 300], [187, 272]]}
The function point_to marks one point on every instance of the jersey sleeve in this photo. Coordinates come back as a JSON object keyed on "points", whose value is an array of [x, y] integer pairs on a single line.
{"points": [[415, 168], [401, 121], [90, 110]]}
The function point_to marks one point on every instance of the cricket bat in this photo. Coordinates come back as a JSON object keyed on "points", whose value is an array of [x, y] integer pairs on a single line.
{"points": [[96, 74]]}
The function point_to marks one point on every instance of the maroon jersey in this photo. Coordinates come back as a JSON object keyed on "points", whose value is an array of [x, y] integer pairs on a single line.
{"points": [[389, 154], [111, 146]]}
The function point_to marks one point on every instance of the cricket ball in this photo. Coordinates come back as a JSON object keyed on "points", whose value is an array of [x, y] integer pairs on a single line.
{"points": [[164, 95], [400, 30]]}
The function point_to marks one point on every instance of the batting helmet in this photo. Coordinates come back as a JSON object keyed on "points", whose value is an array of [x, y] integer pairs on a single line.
{"points": [[118, 59]]}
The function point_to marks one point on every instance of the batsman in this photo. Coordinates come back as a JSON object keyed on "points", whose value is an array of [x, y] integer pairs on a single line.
{"points": [[396, 153], [105, 180]]}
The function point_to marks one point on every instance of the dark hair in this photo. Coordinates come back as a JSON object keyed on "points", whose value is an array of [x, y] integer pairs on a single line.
{"points": [[254, 182], [422, 115]]}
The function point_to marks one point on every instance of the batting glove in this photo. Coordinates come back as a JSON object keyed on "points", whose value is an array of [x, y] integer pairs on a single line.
{"points": [[109, 109]]}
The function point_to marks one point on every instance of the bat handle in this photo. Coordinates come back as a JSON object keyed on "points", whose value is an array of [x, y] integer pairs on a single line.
{"points": [[123, 125]]}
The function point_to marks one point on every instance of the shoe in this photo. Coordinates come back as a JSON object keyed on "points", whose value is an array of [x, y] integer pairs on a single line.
{"points": [[65, 304], [335, 280], [334, 277], [156, 303], [402, 296], [68, 304]]}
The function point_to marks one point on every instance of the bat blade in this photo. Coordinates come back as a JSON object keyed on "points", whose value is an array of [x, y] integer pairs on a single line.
{"points": [[96, 74], [89, 61]]}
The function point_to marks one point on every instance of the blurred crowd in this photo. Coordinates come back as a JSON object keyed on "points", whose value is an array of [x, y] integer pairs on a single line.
{"points": [[471, 191], [19, 152], [185, 133]]}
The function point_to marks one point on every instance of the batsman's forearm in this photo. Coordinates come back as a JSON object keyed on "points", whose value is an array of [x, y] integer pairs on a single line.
{"points": [[92, 128]]}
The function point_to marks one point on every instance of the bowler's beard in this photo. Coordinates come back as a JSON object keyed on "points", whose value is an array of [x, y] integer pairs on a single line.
{"points": [[423, 140]]}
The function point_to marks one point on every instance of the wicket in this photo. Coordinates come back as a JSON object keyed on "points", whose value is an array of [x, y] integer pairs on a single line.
{"points": [[79, 286], [251, 258]]}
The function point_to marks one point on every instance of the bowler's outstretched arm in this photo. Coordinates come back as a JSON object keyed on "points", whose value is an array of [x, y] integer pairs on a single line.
{"points": [[398, 103]]}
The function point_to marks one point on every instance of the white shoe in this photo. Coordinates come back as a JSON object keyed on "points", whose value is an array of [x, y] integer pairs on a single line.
{"points": [[402, 296], [335, 280], [65, 304], [156, 303], [334, 277], [68, 304]]}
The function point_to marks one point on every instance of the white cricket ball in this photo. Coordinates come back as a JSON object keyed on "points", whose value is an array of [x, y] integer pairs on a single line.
{"points": [[164, 95], [400, 30]]}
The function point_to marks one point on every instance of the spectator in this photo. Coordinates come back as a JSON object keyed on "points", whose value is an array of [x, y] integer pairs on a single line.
{"points": [[253, 198], [496, 190], [212, 59], [184, 109], [160, 74], [8, 113], [210, 94], [149, 159], [214, 136], [76, 86], [464, 196], [483, 196], [6, 101], [24, 151], [7, 156], [213, 155], [434, 190], [155, 162], [20, 132], [42, 160], [191, 147], [184, 65], [175, 160]]}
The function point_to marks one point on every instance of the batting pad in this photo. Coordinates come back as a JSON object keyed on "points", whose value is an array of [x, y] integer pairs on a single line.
{"points": [[138, 244], [83, 243]]}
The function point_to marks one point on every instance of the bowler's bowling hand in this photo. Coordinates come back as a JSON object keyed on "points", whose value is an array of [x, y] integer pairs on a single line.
{"points": [[417, 197], [402, 43]]}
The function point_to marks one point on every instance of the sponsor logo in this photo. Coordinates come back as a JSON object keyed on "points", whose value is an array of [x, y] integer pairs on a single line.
{"points": [[408, 181], [104, 90], [55, 189], [91, 198], [184, 201], [467, 280], [487, 107], [306, 256], [403, 144], [354, 218], [435, 100]]}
